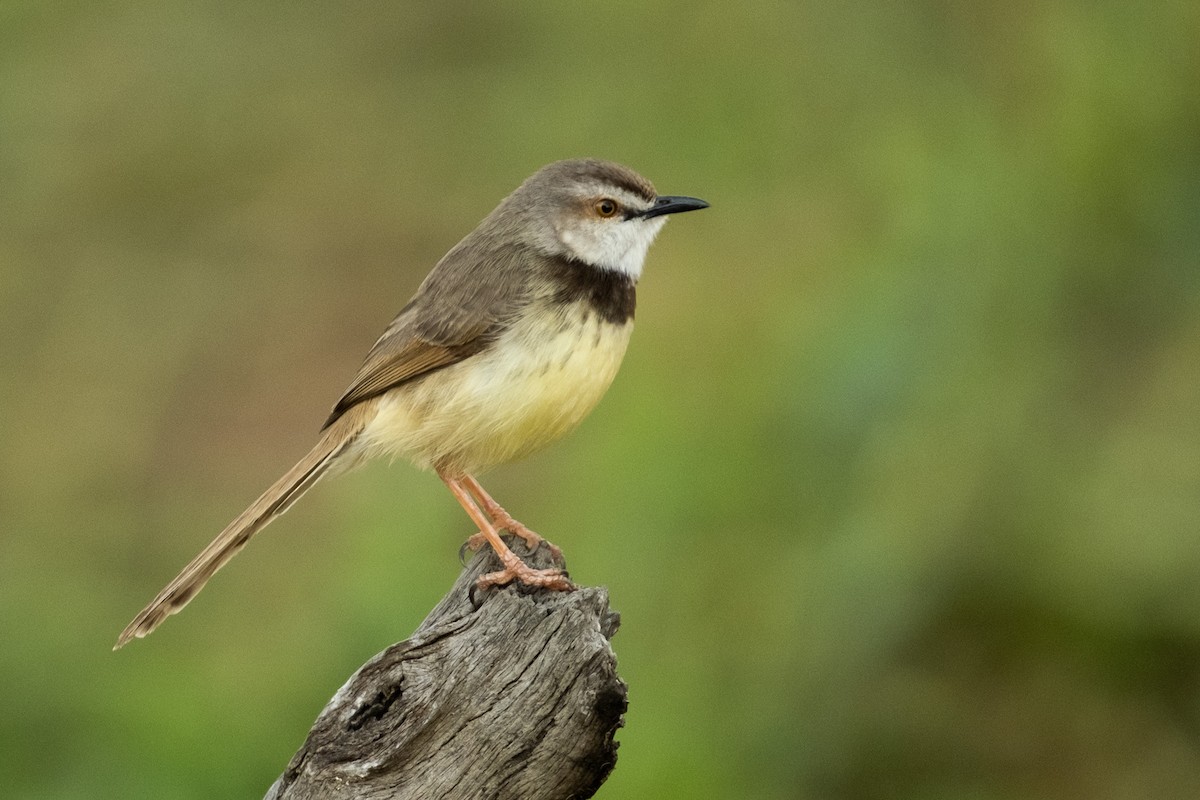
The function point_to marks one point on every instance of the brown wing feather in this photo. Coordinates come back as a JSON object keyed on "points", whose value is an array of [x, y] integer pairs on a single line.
{"points": [[400, 362], [464, 304]]}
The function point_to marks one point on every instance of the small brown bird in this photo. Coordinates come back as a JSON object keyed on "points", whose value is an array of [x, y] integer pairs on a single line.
{"points": [[508, 344]]}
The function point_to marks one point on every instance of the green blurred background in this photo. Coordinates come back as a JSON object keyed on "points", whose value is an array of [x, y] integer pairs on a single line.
{"points": [[898, 492]]}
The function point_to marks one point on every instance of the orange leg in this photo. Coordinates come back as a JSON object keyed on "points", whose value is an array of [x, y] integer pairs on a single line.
{"points": [[514, 567], [503, 520]]}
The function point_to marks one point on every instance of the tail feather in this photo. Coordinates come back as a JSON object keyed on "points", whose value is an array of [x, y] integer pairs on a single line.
{"points": [[274, 501]]}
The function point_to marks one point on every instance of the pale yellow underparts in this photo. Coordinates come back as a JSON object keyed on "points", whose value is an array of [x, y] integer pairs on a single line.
{"points": [[535, 384]]}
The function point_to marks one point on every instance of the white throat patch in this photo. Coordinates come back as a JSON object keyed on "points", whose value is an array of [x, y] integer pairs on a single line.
{"points": [[619, 245]]}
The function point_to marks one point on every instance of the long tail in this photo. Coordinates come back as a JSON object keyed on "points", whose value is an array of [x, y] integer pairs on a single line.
{"points": [[335, 440]]}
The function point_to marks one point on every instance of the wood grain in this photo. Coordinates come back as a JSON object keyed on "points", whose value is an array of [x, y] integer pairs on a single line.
{"points": [[500, 693]]}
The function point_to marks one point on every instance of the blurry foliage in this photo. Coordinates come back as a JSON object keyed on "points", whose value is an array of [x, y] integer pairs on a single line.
{"points": [[898, 492]]}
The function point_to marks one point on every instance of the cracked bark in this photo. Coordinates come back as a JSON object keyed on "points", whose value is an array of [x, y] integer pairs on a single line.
{"points": [[500, 693]]}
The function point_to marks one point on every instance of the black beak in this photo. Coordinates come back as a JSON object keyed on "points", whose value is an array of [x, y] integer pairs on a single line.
{"points": [[667, 204]]}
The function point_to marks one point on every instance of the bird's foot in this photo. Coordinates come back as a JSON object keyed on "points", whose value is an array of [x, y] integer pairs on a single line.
{"points": [[491, 518], [504, 521], [517, 570]]}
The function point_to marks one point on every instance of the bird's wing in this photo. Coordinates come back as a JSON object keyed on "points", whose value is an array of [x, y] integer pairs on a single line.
{"points": [[464, 304]]}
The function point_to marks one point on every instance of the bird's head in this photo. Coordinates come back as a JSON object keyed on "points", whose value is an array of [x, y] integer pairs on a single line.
{"points": [[596, 212]]}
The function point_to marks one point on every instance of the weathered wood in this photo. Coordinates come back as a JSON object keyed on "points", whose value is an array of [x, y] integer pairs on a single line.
{"points": [[500, 693]]}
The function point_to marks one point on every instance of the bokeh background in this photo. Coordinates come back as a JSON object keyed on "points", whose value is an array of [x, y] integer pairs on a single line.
{"points": [[898, 491]]}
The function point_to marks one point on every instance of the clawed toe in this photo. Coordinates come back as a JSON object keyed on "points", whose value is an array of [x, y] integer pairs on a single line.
{"points": [[492, 517], [553, 579], [505, 522]]}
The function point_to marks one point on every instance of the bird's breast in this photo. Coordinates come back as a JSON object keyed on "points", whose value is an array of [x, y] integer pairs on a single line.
{"points": [[534, 384]]}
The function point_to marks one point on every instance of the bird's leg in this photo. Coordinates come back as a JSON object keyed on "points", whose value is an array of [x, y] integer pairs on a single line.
{"points": [[514, 567], [503, 521]]}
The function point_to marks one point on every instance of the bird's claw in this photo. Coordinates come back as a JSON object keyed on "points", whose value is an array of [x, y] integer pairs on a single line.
{"points": [[553, 579]]}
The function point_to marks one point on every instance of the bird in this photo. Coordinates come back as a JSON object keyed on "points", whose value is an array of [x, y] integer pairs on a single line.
{"points": [[509, 342]]}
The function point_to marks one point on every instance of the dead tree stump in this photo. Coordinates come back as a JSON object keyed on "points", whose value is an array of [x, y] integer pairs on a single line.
{"points": [[505, 692]]}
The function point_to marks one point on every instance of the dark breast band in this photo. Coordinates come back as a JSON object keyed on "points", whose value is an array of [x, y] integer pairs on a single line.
{"points": [[609, 293]]}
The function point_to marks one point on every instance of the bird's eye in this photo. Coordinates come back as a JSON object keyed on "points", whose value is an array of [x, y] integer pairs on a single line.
{"points": [[606, 207]]}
